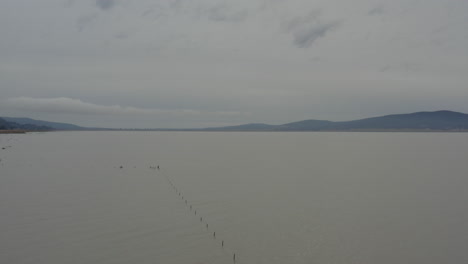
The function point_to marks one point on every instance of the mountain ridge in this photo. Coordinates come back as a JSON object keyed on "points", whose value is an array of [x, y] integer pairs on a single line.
{"points": [[10, 126], [52, 125], [442, 120]]}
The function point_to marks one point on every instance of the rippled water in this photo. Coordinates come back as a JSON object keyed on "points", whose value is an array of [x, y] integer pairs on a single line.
{"points": [[271, 197]]}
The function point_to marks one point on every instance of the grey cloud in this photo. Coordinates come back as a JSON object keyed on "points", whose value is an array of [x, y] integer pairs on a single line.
{"points": [[385, 68], [69, 3], [304, 38], [155, 12], [222, 12], [176, 4], [307, 29], [297, 22], [84, 21], [316, 59], [105, 4], [405, 67], [226, 50], [218, 11], [122, 35], [376, 11], [147, 12]]}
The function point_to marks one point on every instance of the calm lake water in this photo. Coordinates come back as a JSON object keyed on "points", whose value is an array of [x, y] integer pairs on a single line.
{"points": [[271, 197]]}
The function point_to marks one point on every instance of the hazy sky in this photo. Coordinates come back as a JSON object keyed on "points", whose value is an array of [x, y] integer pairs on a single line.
{"points": [[198, 63]]}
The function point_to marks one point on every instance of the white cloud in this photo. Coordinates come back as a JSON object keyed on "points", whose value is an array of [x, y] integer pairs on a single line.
{"points": [[64, 105]]}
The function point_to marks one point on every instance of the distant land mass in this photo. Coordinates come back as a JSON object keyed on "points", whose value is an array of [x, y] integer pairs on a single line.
{"points": [[420, 121], [20, 128], [50, 125]]}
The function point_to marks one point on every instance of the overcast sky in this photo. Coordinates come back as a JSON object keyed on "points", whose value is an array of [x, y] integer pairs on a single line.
{"points": [[199, 63]]}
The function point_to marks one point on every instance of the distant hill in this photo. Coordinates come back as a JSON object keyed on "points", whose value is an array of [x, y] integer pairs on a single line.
{"points": [[8, 125], [4, 124], [420, 121], [436, 121], [53, 125], [439, 120], [307, 125]]}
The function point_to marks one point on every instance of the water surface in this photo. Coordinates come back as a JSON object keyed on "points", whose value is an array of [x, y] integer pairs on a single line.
{"points": [[272, 197]]}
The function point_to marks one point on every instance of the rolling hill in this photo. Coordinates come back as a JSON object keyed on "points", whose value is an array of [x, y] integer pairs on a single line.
{"points": [[53, 125], [435, 121], [420, 121], [8, 125]]}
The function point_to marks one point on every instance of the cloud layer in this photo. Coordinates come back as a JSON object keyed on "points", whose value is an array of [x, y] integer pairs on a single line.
{"points": [[64, 105], [183, 63], [105, 4], [307, 29]]}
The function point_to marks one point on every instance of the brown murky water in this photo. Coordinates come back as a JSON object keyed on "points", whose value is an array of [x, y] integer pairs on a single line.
{"points": [[271, 197]]}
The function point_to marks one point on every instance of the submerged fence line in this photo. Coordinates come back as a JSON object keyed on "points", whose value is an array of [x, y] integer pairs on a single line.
{"points": [[192, 208]]}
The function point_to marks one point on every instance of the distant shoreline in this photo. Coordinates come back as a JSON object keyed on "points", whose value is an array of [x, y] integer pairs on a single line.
{"points": [[13, 131], [436, 121], [274, 131], [322, 131]]}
